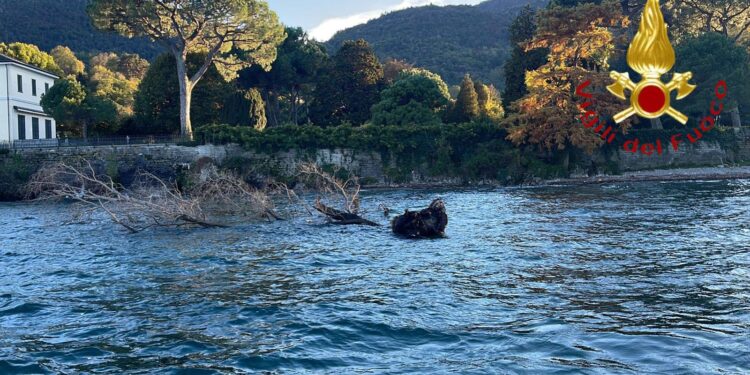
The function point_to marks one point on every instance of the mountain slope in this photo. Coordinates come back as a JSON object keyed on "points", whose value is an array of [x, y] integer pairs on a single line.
{"points": [[451, 40], [48, 23]]}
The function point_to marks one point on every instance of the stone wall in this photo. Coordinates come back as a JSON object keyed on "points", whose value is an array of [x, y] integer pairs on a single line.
{"points": [[169, 160], [700, 154], [367, 165], [121, 161]]}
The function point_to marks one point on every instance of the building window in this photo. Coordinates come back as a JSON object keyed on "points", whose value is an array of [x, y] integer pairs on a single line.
{"points": [[33, 87], [35, 128], [48, 129], [46, 88], [20, 83], [21, 127]]}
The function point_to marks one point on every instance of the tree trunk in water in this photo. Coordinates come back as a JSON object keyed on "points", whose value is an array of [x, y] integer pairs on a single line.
{"points": [[428, 223], [656, 124], [85, 130], [736, 120], [186, 93]]}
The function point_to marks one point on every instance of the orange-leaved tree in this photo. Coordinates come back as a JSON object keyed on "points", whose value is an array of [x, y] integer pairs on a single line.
{"points": [[580, 42]]}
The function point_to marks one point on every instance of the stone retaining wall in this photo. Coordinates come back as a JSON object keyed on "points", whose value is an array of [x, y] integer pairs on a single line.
{"points": [[168, 160]]}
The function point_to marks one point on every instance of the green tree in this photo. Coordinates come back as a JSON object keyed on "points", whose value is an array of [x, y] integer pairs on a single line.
{"points": [[417, 96], [351, 86], [231, 34], [287, 88], [76, 111], [392, 68], [67, 61], [521, 61], [132, 66], [571, 3], [727, 61], [490, 103], [244, 108], [257, 110], [730, 18], [466, 107], [114, 86], [31, 54], [157, 104], [115, 78]]}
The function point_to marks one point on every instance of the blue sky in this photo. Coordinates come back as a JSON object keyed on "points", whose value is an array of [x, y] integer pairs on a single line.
{"points": [[322, 18]]}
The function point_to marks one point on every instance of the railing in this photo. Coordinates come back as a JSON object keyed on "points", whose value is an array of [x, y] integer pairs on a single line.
{"points": [[159, 140], [96, 141]]}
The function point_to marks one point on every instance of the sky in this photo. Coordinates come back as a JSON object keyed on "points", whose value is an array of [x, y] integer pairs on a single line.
{"points": [[323, 18]]}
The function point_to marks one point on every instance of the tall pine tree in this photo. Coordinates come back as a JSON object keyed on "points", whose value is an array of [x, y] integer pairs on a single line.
{"points": [[350, 88], [520, 61], [466, 107]]}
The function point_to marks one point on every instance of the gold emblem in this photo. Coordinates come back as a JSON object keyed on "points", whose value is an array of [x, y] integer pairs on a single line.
{"points": [[651, 55]]}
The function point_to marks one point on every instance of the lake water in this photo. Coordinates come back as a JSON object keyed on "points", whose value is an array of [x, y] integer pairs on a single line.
{"points": [[625, 278]]}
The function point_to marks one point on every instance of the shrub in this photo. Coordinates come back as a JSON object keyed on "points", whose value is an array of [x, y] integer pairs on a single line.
{"points": [[471, 151]]}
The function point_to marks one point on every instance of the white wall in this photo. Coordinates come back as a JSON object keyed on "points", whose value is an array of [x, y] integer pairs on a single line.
{"points": [[27, 75], [25, 99], [4, 126]]}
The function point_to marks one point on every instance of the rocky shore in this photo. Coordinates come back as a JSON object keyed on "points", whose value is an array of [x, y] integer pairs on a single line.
{"points": [[680, 174]]}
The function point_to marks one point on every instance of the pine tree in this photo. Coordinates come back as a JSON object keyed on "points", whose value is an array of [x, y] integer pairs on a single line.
{"points": [[351, 86], [521, 32], [466, 108]]}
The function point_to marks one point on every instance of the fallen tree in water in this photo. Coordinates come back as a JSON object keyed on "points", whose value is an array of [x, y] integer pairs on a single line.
{"points": [[151, 202], [341, 217], [331, 188], [428, 223]]}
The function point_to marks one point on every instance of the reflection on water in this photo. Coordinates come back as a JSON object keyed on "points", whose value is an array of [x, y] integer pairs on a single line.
{"points": [[651, 277]]}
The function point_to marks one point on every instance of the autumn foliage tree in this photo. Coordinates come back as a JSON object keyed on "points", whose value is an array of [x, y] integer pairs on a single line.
{"points": [[67, 61], [580, 42]]}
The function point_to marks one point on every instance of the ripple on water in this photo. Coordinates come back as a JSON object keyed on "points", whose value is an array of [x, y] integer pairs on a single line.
{"points": [[623, 278]]}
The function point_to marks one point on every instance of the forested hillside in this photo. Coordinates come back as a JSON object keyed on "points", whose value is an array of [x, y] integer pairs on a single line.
{"points": [[48, 23], [450, 41]]}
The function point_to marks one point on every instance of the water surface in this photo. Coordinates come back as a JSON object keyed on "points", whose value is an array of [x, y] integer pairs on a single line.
{"points": [[626, 278]]}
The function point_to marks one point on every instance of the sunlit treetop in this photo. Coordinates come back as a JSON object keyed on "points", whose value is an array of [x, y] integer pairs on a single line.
{"points": [[234, 33]]}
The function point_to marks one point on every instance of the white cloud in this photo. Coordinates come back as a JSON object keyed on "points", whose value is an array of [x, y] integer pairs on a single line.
{"points": [[329, 27]]}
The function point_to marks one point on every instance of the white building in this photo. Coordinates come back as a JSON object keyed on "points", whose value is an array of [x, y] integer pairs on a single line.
{"points": [[21, 90]]}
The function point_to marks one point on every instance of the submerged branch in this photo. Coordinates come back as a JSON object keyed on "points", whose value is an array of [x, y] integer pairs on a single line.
{"points": [[332, 188]]}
